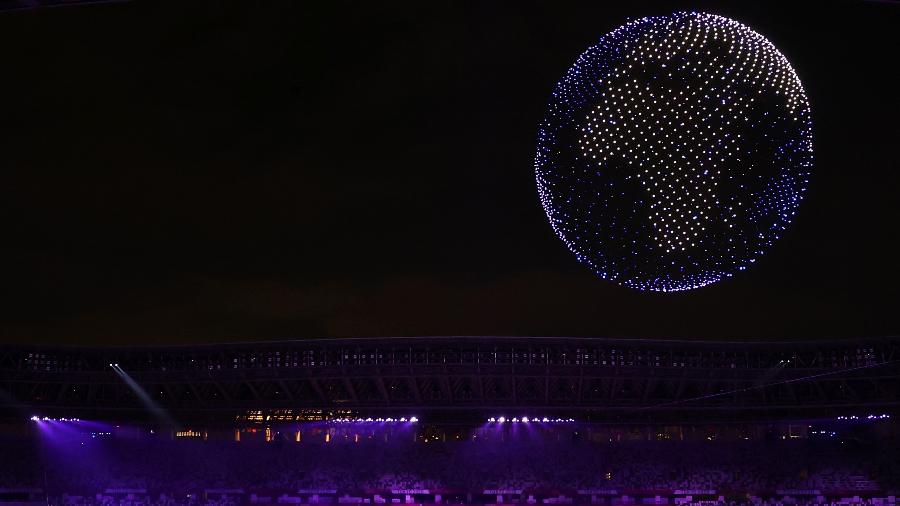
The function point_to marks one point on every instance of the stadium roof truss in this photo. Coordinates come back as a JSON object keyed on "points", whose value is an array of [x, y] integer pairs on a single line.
{"points": [[604, 379]]}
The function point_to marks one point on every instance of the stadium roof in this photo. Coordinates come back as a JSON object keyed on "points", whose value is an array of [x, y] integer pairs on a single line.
{"points": [[602, 378]]}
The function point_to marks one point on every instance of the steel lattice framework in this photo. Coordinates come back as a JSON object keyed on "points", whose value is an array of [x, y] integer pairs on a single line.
{"points": [[601, 379]]}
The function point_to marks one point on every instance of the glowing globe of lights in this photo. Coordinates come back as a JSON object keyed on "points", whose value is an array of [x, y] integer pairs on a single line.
{"points": [[674, 152]]}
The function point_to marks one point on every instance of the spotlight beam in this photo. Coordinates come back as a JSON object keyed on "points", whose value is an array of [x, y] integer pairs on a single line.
{"points": [[152, 406]]}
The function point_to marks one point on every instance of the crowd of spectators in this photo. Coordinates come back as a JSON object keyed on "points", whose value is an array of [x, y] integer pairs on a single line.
{"points": [[182, 467]]}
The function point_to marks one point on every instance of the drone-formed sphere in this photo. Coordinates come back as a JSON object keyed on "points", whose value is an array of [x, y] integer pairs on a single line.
{"points": [[675, 151]]}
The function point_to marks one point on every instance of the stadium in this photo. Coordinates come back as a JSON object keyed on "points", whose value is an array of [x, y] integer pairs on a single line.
{"points": [[426, 254], [471, 420]]}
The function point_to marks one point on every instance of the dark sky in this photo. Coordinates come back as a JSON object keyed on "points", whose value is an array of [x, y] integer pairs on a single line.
{"points": [[180, 172]]}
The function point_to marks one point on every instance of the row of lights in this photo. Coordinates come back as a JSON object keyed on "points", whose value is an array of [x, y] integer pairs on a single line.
{"points": [[411, 419], [36, 418], [870, 417], [525, 419]]}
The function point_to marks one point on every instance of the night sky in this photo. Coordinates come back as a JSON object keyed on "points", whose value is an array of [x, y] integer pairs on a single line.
{"points": [[187, 172]]}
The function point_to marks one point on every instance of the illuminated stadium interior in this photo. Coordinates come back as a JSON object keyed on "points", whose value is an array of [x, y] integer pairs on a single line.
{"points": [[453, 420]]}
